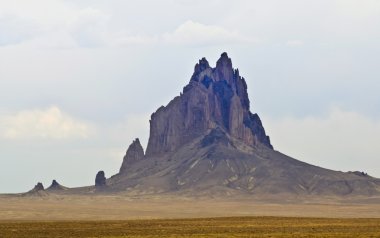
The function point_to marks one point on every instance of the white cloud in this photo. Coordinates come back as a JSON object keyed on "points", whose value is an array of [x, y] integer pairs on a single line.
{"points": [[66, 25], [89, 27], [14, 30], [122, 39], [30, 23], [194, 33], [189, 33], [51, 123], [295, 43], [358, 9], [341, 140]]}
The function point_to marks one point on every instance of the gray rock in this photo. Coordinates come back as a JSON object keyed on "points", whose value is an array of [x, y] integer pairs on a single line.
{"points": [[55, 186], [39, 187], [214, 97], [207, 141], [134, 153], [100, 179]]}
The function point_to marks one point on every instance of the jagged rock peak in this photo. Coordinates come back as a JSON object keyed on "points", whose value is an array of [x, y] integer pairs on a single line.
{"points": [[55, 186], [134, 153], [214, 97], [199, 68], [100, 179], [202, 65], [39, 187], [224, 61], [223, 70], [54, 183]]}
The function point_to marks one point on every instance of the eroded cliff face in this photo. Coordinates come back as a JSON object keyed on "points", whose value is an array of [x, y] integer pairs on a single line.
{"points": [[214, 98]]}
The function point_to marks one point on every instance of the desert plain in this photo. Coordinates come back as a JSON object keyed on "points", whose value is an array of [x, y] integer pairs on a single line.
{"points": [[182, 216]]}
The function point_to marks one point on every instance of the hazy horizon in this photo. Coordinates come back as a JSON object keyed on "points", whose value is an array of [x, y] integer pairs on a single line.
{"points": [[79, 80]]}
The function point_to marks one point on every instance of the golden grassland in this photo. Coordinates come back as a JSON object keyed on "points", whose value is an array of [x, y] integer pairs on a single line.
{"points": [[200, 227], [175, 216], [60, 208]]}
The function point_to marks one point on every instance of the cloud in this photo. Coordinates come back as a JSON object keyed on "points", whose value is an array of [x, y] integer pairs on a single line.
{"points": [[50, 123], [121, 39], [78, 26], [14, 30], [341, 140], [61, 25], [295, 43], [89, 27], [189, 33], [194, 33]]}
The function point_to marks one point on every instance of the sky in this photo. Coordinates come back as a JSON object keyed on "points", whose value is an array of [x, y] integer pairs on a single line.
{"points": [[80, 79]]}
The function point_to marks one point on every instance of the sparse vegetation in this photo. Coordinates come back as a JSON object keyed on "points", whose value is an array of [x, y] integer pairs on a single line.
{"points": [[202, 227]]}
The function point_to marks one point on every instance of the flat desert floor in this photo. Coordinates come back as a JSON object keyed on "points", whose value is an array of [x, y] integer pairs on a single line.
{"points": [[201, 227], [170, 216], [167, 207]]}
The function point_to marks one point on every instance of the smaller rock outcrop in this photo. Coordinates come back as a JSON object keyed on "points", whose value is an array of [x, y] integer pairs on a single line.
{"points": [[359, 173], [38, 191], [134, 153], [39, 187], [100, 179], [55, 186]]}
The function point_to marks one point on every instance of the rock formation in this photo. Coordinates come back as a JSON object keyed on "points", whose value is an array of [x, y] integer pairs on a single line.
{"points": [[207, 140], [134, 153], [38, 187], [100, 179], [55, 186], [215, 97], [38, 191]]}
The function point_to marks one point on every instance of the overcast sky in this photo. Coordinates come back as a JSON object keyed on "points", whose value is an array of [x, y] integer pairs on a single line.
{"points": [[79, 79]]}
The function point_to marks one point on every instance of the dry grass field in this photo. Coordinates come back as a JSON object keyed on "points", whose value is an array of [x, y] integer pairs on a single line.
{"points": [[202, 227], [168, 216], [168, 207]]}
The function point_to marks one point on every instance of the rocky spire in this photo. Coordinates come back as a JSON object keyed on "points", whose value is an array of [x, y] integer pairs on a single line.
{"points": [[215, 97], [100, 179], [134, 153], [54, 183], [200, 67], [55, 186], [224, 70], [37, 188]]}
